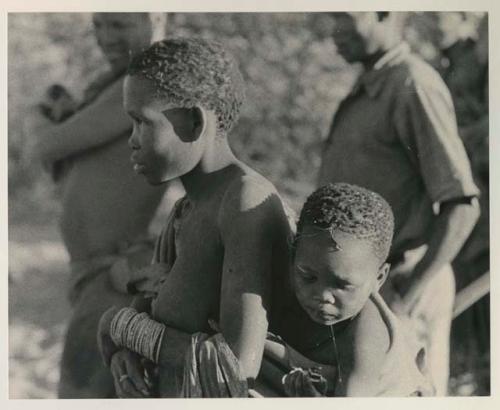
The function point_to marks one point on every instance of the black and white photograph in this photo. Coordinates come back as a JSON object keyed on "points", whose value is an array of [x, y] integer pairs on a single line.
{"points": [[248, 204]]}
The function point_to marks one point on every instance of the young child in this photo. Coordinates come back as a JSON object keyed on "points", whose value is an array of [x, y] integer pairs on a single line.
{"points": [[225, 240], [333, 317]]}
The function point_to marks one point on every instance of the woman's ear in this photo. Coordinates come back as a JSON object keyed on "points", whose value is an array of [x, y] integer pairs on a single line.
{"points": [[382, 274], [188, 123], [199, 120]]}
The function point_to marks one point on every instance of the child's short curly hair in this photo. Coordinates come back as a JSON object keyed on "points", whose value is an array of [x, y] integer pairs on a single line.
{"points": [[190, 71], [350, 209]]}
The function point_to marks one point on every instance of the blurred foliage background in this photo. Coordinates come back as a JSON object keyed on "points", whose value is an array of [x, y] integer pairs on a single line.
{"points": [[294, 81]]}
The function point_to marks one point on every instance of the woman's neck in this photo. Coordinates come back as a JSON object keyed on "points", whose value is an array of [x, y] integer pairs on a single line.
{"points": [[217, 157]]}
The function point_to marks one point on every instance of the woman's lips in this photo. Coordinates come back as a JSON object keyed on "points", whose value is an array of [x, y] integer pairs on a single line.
{"points": [[138, 167]]}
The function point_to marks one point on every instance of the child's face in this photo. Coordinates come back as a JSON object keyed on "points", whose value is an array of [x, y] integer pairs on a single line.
{"points": [[161, 152], [334, 284]]}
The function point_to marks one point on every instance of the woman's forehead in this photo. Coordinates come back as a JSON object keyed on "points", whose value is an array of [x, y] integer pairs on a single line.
{"points": [[140, 92]]}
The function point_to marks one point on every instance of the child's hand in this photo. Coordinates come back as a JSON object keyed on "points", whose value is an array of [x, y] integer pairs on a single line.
{"points": [[104, 341], [299, 383]]}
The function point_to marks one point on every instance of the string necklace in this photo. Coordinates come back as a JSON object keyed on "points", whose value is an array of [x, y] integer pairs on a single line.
{"points": [[330, 339], [337, 361]]}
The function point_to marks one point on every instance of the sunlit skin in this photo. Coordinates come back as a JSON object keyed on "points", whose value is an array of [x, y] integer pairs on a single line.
{"points": [[232, 240]]}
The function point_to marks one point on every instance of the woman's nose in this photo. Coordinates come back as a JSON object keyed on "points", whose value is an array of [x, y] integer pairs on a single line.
{"points": [[133, 141]]}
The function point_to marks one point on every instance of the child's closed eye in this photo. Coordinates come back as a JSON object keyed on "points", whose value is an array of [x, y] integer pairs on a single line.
{"points": [[306, 276], [346, 286]]}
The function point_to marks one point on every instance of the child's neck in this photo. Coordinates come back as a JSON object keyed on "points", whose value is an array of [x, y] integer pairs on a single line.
{"points": [[217, 156]]}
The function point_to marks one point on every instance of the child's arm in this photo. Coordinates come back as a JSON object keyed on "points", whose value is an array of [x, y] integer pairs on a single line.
{"points": [[96, 124]]}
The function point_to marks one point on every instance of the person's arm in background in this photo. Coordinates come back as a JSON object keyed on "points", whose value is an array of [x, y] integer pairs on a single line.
{"points": [[451, 229], [426, 124], [474, 134], [94, 125]]}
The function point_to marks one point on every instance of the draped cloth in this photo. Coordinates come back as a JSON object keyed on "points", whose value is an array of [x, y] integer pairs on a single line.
{"points": [[404, 372], [212, 370]]}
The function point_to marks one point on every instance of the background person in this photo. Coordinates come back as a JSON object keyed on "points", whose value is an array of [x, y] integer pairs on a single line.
{"points": [[396, 134], [106, 208]]}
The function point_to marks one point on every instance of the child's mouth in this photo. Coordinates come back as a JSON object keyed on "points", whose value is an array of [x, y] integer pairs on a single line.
{"points": [[319, 313], [322, 316]]}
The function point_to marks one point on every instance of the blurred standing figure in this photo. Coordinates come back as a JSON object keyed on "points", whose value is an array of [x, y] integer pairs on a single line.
{"points": [[396, 134], [106, 208], [466, 74]]}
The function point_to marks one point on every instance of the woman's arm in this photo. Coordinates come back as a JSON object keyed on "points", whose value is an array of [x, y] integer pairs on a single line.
{"points": [[94, 125], [252, 224]]}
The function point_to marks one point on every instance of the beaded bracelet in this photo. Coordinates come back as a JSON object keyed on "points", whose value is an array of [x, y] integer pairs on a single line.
{"points": [[137, 332]]}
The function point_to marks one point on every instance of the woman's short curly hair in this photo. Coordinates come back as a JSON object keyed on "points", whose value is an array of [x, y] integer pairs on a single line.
{"points": [[191, 71], [350, 209]]}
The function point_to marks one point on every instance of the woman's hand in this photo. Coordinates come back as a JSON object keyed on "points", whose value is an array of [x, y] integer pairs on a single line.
{"points": [[106, 345], [128, 374]]}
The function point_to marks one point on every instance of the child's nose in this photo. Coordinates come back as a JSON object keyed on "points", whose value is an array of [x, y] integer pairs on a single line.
{"points": [[327, 296]]}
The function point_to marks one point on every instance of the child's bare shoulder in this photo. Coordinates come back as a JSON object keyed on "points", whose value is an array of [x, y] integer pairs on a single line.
{"points": [[371, 336]]}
